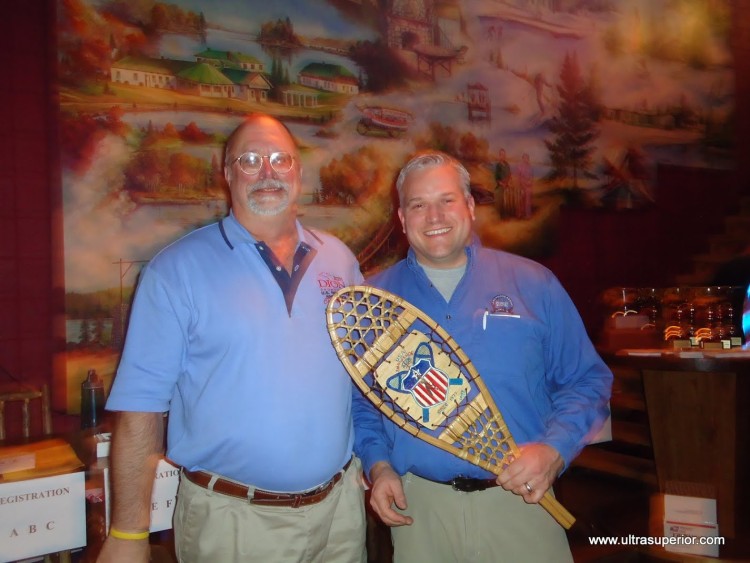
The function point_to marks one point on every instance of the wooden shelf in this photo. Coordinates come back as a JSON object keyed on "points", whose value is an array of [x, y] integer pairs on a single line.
{"points": [[620, 464]]}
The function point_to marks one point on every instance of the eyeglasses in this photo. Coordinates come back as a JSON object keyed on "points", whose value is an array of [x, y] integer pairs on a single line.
{"points": [[251, 162]]}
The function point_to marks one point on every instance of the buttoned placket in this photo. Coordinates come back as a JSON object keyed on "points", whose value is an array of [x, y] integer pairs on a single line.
{"points": [[288, 283]]}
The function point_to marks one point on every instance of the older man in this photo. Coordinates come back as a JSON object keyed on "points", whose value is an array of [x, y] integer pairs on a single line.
{"points": [[525, 337], [228, 335]]}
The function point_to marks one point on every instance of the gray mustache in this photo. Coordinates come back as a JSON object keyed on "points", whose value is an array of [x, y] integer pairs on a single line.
{"points": [[269, 183]]}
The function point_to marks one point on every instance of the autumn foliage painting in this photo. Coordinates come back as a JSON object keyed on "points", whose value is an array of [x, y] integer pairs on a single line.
{"points": [[546, 102]]}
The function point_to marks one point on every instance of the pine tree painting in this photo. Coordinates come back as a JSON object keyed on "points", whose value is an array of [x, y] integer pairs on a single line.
{"points": [[574, 129]]}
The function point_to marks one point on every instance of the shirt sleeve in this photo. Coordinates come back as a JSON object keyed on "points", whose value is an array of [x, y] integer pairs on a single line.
{"points": [[154, 348], [579, 381]]}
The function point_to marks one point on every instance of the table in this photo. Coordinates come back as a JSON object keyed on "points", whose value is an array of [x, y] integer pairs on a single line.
{"points": [[697, 405], [41, 498]]}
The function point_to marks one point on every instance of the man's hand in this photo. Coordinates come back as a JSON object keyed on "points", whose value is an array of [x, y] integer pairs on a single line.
{"points": [[536, 468], [387, 491]]}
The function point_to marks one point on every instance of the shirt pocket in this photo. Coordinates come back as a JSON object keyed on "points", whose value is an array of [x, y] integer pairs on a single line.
{"points": [[509, 345]]}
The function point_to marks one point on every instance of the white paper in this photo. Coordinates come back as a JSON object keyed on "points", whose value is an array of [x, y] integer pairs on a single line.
{"points": [[693, 518], [164, 496], [40, 516], [20, 462]]}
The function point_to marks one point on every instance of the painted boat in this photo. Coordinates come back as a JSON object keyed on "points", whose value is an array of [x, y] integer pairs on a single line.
{"points": [[384, 119]]}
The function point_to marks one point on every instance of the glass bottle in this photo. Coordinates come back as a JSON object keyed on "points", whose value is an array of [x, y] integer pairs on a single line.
{"points": [[677, 328], [713, 322], [649, 304], [92, 400]]}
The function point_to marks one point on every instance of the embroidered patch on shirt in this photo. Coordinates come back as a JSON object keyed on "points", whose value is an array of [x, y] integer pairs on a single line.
{"points": [[329, 284], [501, 304]]}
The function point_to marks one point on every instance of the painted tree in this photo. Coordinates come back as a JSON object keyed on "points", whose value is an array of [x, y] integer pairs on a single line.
{"points": [[215, 178], [574, 128], [84, 333], [98, 329], [279, 74], [353, 178], [145, 171]]}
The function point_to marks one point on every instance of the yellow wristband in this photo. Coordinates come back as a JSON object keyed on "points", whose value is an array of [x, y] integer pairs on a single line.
{"points": [[115, 533]]}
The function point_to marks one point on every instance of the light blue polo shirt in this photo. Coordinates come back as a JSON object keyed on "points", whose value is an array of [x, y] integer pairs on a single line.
{"points": [[240, 356]]}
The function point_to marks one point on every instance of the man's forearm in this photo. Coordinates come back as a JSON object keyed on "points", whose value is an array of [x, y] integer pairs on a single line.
{"points": [[136, 448]]}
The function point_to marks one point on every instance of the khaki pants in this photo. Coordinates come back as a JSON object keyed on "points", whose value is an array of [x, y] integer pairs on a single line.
{"points": [[491, 526], [214, 528]]}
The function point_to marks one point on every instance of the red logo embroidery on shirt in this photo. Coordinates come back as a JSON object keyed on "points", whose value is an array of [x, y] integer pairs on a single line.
{"points": [[329, 284]]}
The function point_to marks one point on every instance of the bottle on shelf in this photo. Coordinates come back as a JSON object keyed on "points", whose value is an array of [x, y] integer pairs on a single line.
{"points": [[92, 400], [678, 327]]}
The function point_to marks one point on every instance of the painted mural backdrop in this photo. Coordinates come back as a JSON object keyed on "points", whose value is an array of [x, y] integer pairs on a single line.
{"points": [[545, 101]]}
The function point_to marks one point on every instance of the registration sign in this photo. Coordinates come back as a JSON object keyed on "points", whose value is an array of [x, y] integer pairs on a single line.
{"points": [[40, 516]]}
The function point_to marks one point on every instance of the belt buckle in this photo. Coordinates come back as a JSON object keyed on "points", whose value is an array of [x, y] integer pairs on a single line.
{"points": [[467, 484]]}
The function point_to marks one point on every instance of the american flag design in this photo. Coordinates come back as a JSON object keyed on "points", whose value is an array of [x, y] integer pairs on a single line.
{"points": [[432, 386], [422, 380]]}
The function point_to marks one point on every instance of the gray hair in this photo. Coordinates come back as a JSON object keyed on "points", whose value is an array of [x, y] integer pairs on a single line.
{"points": [[428, 159]]}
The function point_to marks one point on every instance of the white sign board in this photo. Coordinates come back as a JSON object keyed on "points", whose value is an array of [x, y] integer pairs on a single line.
{"points": [[40, 516], [164, 496]]}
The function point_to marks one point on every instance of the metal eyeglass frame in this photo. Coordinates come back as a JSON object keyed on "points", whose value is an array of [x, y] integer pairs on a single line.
{"points": [[270, 162]]}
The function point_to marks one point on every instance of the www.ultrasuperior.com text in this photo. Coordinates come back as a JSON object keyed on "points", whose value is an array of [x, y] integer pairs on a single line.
{"points": [[656, 540]]}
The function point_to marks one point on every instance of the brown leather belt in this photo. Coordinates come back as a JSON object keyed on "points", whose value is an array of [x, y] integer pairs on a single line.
{"points": [[264, 498]]}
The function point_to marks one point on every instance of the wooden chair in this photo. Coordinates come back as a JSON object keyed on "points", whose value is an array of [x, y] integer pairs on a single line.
{"points": [[25, 396]]}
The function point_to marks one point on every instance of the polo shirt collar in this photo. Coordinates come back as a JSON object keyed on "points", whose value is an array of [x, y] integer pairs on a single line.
{"points": [[235, 234]]}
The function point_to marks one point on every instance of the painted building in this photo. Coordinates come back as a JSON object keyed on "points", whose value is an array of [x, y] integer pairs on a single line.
{"points": [[299, 96], [329, 77], [202, 79], [248, 86], [148, 72], [205, 80], [409, 22], [230, 59]]}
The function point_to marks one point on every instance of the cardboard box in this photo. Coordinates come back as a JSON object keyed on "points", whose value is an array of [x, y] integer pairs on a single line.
{"points": [[40, 516], [103, 442]]}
